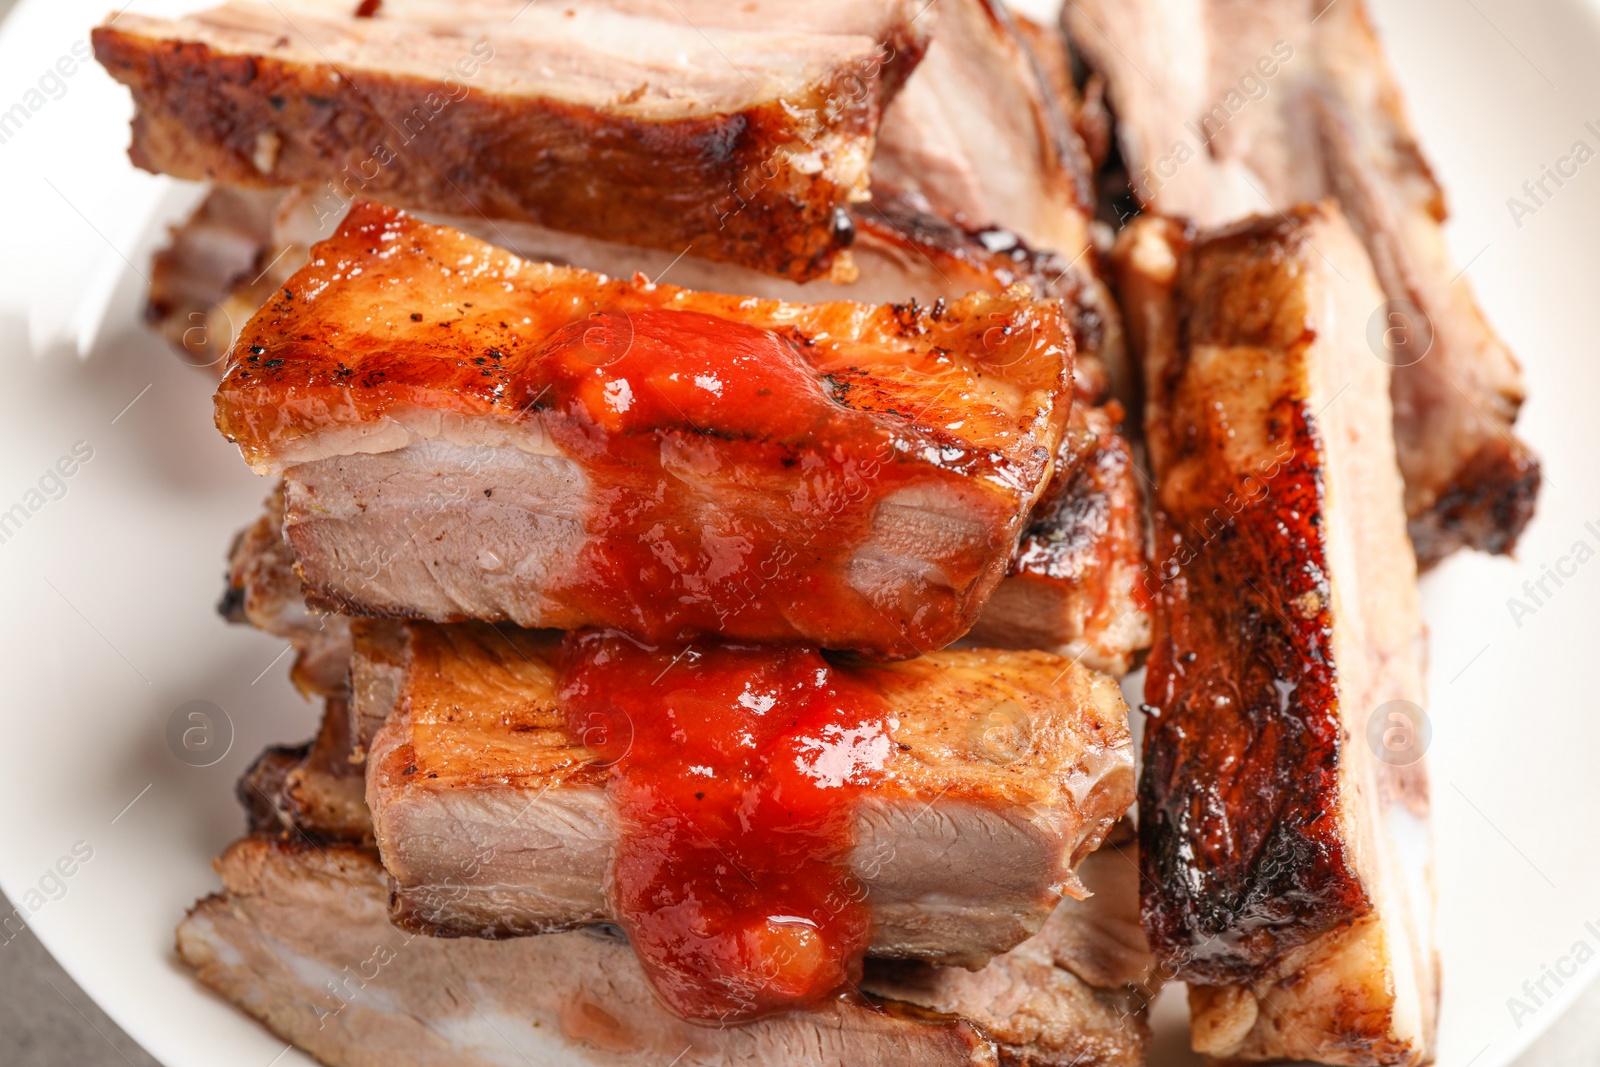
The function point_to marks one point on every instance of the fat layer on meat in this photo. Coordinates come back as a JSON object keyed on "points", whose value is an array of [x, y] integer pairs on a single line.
{"points": [[1283, 820], [1226, 109], [1007, 769]]}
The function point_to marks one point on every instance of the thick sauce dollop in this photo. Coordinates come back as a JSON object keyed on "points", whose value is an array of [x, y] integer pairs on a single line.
{"points": [[733, 774], [732, 488]]}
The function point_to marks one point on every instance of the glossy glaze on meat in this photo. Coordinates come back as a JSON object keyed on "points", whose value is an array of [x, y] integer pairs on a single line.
{"points": [[401, 393], [743, 144], [1283, 855], [1226, 109]]}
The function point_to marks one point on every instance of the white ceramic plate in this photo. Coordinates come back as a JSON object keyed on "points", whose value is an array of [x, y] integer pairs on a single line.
{"points": [[108, 586]]}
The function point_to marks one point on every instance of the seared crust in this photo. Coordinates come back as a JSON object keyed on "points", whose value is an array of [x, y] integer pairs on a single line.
{"points": [[1075, 585], [1243, 865], [234, 96], [1286, 870], [382, 322], [1485, 506]]}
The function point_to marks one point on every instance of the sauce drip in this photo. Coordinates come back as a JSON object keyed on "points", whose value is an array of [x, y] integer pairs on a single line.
{"points": [[731, 486], [733, 773]]}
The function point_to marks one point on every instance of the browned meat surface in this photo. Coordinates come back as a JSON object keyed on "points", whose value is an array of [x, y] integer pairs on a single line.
{"points": [[300, 938], [1075, 585], [984, 136], [264, 591], [1225, 109], [317, 788], [676, 482], [493, 819], [745, 144], [1074, 995], [902, 254], [1285, 863]]}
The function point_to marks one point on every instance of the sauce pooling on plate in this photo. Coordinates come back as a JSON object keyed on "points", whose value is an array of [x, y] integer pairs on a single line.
{"points": [[734, 772]]}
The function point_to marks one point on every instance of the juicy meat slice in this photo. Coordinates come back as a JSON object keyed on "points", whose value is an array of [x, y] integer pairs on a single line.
{"points": [[1008, 768], [1283, 847], [300, 938], [1074, 993], [1225, 109], [978, 134], [742, 144], [541, 444], [1076, 585], [263, 590]]}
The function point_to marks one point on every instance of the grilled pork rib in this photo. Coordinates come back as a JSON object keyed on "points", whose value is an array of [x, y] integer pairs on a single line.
{"points": [[1070, 585], [1007, 769], [1073, 995], [745, 145], [1227, 109], [540, 444], [290, 910], [300, 938], [1075, 584], [1287, 622]]}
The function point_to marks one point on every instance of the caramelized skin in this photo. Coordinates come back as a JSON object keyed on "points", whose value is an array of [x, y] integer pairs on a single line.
{"points": [[779, 429], [1240, 833], [753, 164], [1286, 875]]}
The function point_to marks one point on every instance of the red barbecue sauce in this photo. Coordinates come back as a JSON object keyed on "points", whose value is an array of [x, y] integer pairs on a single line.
{"points": [[733, 770], [684, 423]]}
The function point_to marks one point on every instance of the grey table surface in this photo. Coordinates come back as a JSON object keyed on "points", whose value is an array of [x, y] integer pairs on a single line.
{"points": [[47, 1021]]}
